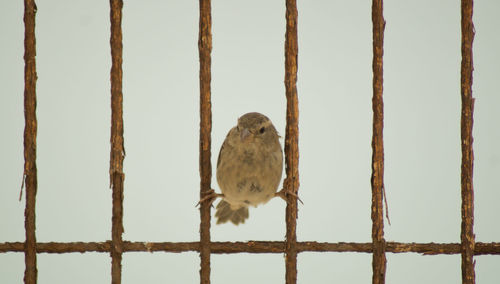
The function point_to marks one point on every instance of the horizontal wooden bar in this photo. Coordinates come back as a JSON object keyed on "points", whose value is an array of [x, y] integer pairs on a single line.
{"points": [[492, 248]]}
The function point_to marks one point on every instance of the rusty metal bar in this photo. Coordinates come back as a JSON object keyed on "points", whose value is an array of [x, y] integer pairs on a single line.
{"points": [[253, 247], [467, 232], [377, 181], [205, 49], [291, 182], [117, 144], [30, 131]]}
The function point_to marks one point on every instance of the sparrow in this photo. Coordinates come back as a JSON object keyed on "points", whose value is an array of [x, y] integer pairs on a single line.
{"points": [[249, 167]]}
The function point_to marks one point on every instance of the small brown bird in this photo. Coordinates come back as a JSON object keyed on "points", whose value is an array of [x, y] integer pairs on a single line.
{"points": [[249, 167]]}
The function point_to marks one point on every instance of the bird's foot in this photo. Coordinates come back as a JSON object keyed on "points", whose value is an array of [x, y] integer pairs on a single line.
{"points": [[210, 197], [283, 194]]}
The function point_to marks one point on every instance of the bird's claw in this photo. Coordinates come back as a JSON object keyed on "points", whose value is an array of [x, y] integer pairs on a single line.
{"points": [[283, 194], [211, 196]]}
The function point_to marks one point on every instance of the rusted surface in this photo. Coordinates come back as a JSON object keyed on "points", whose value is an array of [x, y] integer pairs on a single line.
{"points": [[253, 247], [215, 247], [56, 247], [377, 180], [467, 233], [205, 49], [486, 248], [291, 182], [117, 145], [30, 131]]}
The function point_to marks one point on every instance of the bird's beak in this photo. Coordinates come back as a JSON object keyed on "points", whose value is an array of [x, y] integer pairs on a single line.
{"points": [[244, 135]]}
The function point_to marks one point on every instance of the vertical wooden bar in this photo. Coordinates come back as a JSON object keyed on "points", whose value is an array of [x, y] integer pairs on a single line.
{"points": [[117, 144], [467, 231], [377, 179], [291, 182], [205, 49], [30, 131]]}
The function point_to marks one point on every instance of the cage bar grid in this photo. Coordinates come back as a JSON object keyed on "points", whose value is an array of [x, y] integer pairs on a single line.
{"points": [[290, 247]]}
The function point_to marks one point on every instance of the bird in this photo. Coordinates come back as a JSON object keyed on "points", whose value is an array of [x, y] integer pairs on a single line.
{"points": [[249, 167]]}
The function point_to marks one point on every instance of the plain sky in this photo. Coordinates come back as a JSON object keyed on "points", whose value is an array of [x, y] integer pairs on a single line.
{"points": [[160, 87]]}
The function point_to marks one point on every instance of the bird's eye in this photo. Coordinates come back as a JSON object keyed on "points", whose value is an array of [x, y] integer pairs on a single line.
{"points": [[262, 129]]}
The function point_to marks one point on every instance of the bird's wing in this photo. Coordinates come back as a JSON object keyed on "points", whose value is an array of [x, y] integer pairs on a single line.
{"points": [[225, 144]]}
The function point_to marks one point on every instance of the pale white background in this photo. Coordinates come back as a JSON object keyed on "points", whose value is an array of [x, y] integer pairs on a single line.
{"points": [[160, 86]]}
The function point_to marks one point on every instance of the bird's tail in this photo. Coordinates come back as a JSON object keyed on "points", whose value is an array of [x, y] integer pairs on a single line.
{"points": [[224, 213]]}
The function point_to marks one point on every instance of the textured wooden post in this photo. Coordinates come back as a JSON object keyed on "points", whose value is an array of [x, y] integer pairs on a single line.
{"points": [[467, 232], [291, 183], [117, 147], [377, 180], [30, 131], [205, 48]]}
